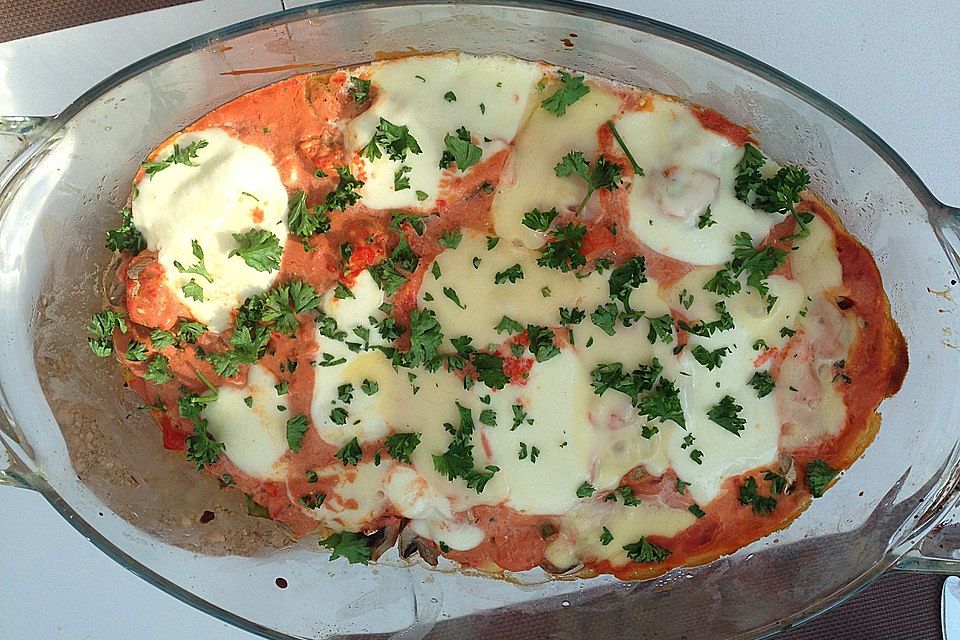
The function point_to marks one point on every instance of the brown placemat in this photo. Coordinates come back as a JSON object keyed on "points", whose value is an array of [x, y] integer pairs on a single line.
{"points": [[898, 606], [22, 18]]}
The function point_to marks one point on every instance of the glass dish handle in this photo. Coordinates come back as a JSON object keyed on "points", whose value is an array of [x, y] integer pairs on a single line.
{"points": [[17, 133], [938, 551], [946, 224]]}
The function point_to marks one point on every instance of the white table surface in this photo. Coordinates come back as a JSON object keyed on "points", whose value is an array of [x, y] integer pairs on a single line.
{"points": [[893, 64]]}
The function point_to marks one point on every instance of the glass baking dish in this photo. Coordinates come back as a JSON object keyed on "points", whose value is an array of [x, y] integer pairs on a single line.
{"points": [[69, 435]]}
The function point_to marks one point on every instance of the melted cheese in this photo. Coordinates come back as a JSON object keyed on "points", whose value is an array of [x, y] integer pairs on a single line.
{"points": [[254, 437], [529, 181], [411, 92], [234, 188], [364, 421], [686, 169]]}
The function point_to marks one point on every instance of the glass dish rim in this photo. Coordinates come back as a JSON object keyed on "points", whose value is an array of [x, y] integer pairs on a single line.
{"points": [[47, 132]]}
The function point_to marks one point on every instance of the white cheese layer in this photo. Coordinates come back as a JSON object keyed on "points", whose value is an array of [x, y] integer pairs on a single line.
{"points": [[686, 169], [234, 188], [528, 180], [434, 96], [254, 436], [342, 367]]}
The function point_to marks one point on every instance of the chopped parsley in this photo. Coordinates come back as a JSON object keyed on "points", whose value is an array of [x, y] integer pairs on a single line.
{"points": [[605, 317], [126, 237], [539, 220], [193, 290], [401, 180], [571, 316], [450, 96], [488, 417], [696, 510], [181, 155], [353, 546], [200, 268], [296, 427], [819, 475], [685, 298], [259, 248], [161, 339], [350, 453], [512, 274], [571, 89], [706, 329], [660, 328], [451, 238], [627, 277], [304, 222], [102, 326], [460, 149], [508, 325], [585, 490], [562, 250], [663, 403], [452, 295], [400, 446], [603, 175], [645, 551], [763, 382], [359, 89], [758, 264], [633, 163], [393, 139], [748, 496], [541, 343], [158, 370], [369, 387], [722, 284], [457, 460], [706, 219], [710, 359]]}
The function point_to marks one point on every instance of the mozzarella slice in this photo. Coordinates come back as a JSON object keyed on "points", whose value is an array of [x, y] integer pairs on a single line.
{"points": [[434, 96], [254, 435], [234, 188]]}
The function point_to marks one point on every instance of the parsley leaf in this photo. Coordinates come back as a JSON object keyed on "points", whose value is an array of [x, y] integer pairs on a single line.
{"points": [[460, 149], [585, 490], [539, 220], [200, 268], [353, 546], [748, 496], [541, 343], [606, 537], [633, 163], [819, 475], [710, 359], [570, 90], [508, 325], [512, 274], [296, 428], [302, 221], [359, 89], [401, 180], [605, 317], [763, 382], [571, 316], [726, 413], [663, 404], [722, 284], [281, 305], [350, 453], [259, 248], [603, 175], [748, 172], [102, 326], [126, 237], [660, 328], [158, 370], [611, 376], [451, 293], [645, 551], [707, 329], [450, 96], [344, 195], [394, 139], [757, 263], [562, 250], [193, 290], [401, 446], [185, 156], [706, 219], [451, 238], [425, 338], [627, 277]]}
